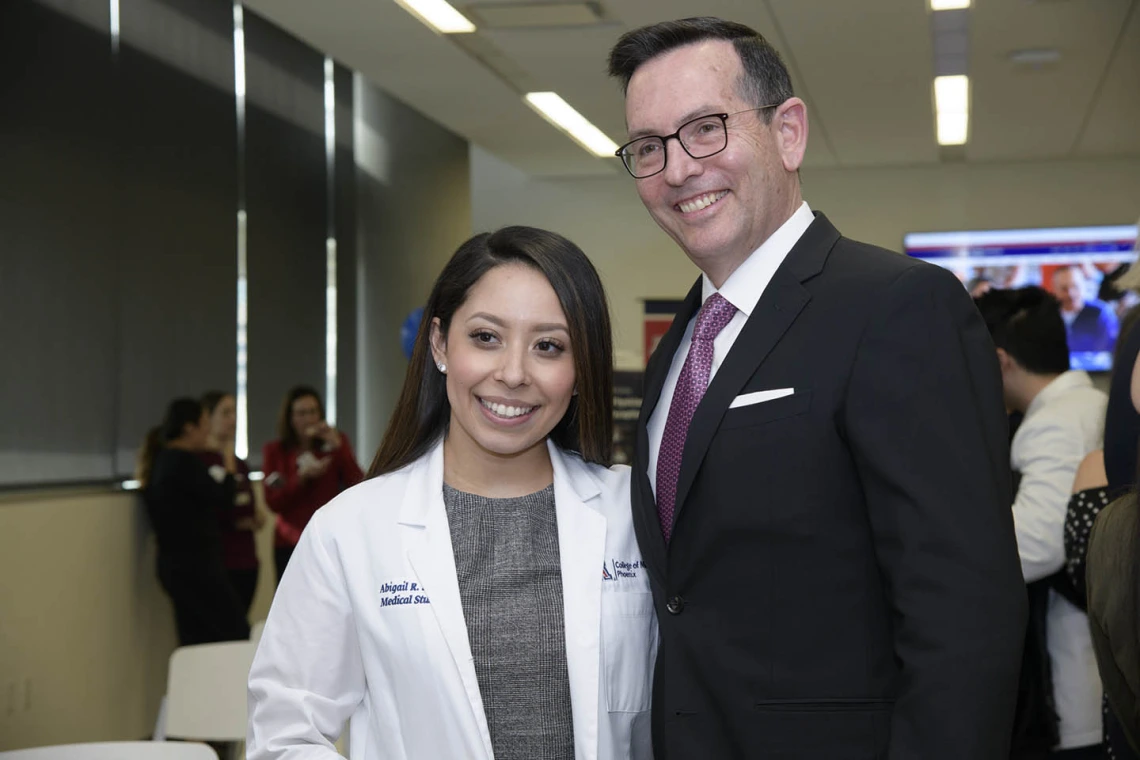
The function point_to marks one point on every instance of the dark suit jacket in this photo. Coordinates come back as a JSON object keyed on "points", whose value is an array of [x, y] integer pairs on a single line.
{"points": [[842, 581]]}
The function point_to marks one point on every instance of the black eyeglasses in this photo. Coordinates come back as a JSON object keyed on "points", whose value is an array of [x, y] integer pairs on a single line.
{"points": [[702, 137]]}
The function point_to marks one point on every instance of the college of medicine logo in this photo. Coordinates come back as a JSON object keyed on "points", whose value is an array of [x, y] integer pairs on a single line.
{"points": [[606, 575]]}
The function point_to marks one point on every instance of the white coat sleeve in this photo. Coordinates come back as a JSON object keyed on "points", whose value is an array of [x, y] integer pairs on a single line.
{"points": [[1048, 461], [307, 676]]}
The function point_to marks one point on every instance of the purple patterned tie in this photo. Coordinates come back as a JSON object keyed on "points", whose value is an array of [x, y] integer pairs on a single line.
{"points": [[691, 385]]}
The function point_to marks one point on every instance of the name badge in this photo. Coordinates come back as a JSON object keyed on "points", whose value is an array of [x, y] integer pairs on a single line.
{"points": [[404, 592], [616, 569]]}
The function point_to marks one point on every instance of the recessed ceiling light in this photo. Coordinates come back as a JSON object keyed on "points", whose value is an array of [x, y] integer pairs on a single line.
{"points": [[439, 15], [952, 106], [560, 113], [948, 5]]}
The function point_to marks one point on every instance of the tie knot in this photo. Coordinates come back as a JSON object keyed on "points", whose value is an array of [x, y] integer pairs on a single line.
{"points": [[713, 316]]}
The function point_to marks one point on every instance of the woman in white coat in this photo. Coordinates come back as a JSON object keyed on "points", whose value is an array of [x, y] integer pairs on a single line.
{"points": [[482, 595]]}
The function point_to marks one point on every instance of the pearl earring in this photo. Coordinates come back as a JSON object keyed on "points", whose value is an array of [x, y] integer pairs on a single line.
{"points": [[442, 368]]}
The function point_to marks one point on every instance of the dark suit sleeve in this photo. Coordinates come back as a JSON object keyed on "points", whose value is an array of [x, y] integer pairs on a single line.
{"points": [[926, 426]]}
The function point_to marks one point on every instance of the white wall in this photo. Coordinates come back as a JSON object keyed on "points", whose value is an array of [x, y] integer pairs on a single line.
{"points": [[637, 261]]}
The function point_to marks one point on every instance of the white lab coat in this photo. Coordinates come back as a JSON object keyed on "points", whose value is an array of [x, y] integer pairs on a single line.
{"points": [[1062, 424], [367, 626]]}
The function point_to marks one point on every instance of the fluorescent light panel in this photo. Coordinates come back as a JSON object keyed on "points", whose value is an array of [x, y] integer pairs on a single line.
{"points": [[115, 25], [439, 15], [952, 105], [948, 5], [559, 113], [330, 244]]}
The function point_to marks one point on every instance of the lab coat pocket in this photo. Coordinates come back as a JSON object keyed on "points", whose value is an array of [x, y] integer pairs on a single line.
{"points": [[629, 644]]}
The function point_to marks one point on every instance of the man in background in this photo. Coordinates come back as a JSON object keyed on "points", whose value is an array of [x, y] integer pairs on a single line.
{"points": [[1091, 325], [1063, 421]]}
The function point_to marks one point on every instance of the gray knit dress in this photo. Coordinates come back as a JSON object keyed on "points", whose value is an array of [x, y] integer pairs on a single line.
{"points": [[510, 585]]}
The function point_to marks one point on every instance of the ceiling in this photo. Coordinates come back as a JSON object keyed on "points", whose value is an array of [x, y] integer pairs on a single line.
{"points": [[864, 69]]}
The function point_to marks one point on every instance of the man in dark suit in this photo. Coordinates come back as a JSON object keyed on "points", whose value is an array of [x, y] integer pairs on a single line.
{"points": [[821, 485]]}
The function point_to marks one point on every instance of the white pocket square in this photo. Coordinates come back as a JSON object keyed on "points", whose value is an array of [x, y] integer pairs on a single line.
{"points": [[748, 399]]}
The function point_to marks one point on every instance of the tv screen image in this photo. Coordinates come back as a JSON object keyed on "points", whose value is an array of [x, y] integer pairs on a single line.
{"points": [[1076, 264]]}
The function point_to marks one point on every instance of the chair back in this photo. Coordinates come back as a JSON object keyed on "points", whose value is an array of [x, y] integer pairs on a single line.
{"points": [[206, 691]]}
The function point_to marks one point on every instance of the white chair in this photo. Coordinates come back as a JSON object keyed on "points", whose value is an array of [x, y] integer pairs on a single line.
{"points": [[116, 751], [206, 691]]}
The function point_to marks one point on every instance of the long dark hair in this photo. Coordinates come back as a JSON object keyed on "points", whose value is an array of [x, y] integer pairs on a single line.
{"points": [[423, 411], [285, 432], [179, 413]]}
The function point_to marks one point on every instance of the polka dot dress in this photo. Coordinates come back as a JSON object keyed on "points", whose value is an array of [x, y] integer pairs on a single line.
{"points": [[1116, 746], [1084, 506]]}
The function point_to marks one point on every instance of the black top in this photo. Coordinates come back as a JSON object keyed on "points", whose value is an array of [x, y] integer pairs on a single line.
{"points": [[183, 500], [1122, 423]]}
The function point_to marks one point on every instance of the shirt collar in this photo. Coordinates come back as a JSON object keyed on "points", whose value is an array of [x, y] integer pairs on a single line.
{"points": [[745, 286], [1062, 383]]}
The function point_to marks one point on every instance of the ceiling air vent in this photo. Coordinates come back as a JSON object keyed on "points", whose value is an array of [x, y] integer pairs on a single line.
{"points": [[1035, 57]]}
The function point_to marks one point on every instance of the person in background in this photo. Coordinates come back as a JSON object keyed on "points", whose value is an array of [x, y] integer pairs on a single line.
{"points": [[1122, 422], [482, 595], [1121, 298], [308, 464], [183, 499], [1091, 325], [1092, 493], [1112, 565], [1112, 571], [979, 286], [239, 522], [1063, 421]]}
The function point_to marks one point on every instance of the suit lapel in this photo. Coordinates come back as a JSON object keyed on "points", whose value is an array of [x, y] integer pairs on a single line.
{"points": [[644, 505], [783, 300]]}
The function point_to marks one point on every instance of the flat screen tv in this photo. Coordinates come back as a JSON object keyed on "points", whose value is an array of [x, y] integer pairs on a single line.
{"points": [[1077, 264]]}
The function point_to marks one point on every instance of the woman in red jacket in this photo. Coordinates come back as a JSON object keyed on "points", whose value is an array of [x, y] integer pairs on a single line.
{"points": [[308, 464]]}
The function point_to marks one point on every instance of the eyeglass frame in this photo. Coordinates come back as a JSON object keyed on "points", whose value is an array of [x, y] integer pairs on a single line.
{"points": [[666, 138]]}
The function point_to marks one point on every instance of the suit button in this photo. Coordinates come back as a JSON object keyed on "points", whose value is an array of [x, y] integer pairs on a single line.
{"points": [[675, 605]]}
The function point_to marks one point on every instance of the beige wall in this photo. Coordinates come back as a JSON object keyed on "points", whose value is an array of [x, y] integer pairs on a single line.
{"points": [[85, 629], [637, 261]]}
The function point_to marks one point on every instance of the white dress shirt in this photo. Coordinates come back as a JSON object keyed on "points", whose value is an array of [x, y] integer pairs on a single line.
{"points": [[743, 290], [1062, 424]]}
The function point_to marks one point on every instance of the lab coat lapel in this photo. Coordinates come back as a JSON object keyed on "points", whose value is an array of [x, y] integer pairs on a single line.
{"points": [[423, 520], [581, 551]]}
